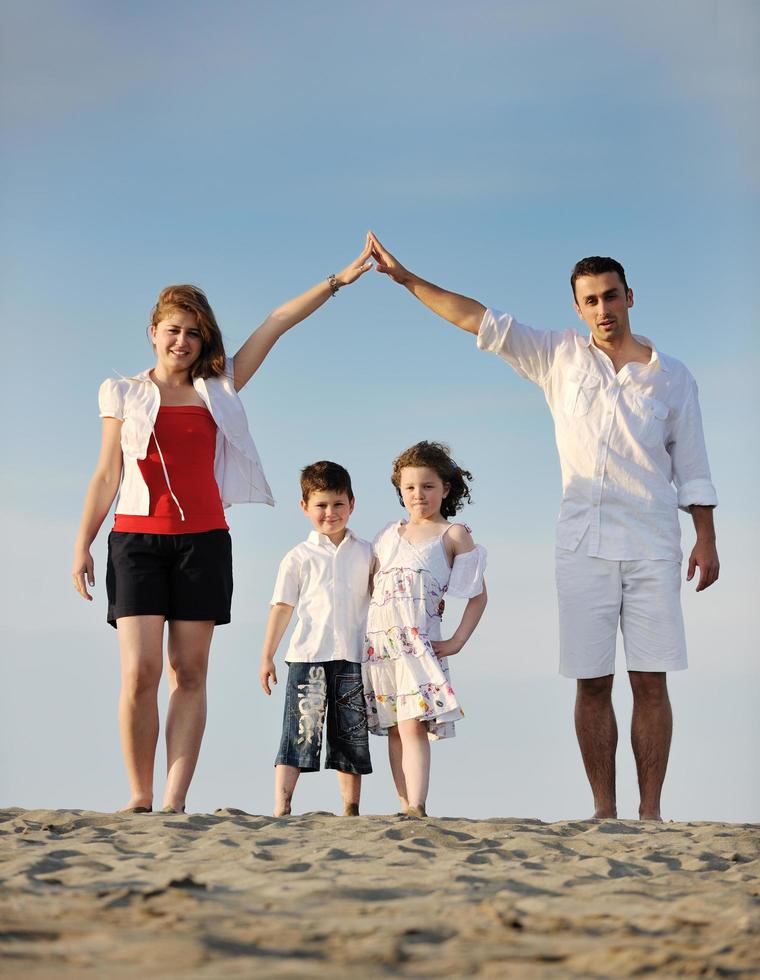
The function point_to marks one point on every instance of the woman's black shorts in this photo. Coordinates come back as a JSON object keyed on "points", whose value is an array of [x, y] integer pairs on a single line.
{"points": [[178, 576]]}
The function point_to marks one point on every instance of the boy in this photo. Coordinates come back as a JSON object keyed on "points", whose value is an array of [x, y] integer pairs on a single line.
{"points": [[327, 579]]}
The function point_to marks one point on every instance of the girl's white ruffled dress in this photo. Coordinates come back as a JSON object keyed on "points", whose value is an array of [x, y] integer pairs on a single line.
{"points": [[401, 674]]}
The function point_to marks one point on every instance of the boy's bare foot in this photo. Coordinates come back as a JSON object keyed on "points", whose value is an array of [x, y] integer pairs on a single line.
{"points": [[416, 811], [350, 809]]}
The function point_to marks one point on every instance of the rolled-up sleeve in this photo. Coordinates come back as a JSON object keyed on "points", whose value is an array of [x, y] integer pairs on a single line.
{"points": [[111, 400], [287, 585], [691, 470], [530, 352]]}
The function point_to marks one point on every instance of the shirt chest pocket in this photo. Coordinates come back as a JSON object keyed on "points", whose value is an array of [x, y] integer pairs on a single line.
{"points": [[354, 579], [579, 392], [648, 421]]}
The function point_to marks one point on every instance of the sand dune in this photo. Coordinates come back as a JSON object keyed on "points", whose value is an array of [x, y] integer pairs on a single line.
{"points": [[90, 894]]}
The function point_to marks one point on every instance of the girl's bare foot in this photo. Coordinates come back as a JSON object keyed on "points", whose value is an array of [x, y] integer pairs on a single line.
{"points": [[416, 811]]}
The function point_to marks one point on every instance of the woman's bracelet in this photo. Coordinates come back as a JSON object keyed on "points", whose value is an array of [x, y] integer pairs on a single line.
{"points": [[334, 284]]}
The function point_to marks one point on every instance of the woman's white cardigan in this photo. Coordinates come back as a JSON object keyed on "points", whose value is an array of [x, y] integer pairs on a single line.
{"points": [[237, 466]]}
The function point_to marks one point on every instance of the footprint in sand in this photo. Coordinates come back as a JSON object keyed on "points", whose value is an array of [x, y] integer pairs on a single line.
{"points": [[297, 868], [416, 850], [456, 834], [393, 835], [336, 854], [672, 864], [382, 894]]}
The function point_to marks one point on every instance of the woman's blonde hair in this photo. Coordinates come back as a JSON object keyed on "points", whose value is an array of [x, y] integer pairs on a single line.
{"points": [[193, 300]]}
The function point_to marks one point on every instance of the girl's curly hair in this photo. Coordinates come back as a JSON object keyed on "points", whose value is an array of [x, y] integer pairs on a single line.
{"points": [[435, 455]]}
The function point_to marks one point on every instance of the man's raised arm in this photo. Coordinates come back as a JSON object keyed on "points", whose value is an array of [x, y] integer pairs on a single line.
{"points": [[459, 310]]}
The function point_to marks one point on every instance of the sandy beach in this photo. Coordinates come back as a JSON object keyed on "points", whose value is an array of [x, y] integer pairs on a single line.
{"points": [[231, 894]]}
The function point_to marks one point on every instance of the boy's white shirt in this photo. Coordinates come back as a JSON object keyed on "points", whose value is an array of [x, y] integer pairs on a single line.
{"points": [[329, 588]]}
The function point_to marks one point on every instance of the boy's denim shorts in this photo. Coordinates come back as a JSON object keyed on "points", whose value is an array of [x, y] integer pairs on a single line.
{"points": [[333, 688]]}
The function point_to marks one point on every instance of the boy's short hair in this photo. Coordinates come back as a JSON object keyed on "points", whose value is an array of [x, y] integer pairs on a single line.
{"points": [[325, 475]]}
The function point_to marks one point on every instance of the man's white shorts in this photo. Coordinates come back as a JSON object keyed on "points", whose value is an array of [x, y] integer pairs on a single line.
{"points": [[596, 594]]}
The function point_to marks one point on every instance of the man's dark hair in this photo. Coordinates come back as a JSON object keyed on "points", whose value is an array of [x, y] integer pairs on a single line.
{"points": [[595, 265], [325, 475]]}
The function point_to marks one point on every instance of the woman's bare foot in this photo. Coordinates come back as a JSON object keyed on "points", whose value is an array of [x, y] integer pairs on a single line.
{"points": [[138, 805], [350, 809], [173, 806], [282, 811]]}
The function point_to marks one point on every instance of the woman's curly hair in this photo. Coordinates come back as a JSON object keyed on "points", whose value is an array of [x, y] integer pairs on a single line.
{"points": [[435, 455]]}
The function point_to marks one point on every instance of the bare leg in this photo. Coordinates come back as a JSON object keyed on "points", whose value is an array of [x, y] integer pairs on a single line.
{"points": [[415, 763], [651, 731], [350, 784], [596, 729], [285, 779], [189, 644], [140, 646], [395, 755]]}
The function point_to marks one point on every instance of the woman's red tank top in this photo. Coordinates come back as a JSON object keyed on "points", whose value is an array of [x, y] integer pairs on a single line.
{"points": [[186, 436]]}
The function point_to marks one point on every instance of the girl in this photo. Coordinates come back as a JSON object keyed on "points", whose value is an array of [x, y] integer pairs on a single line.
{"points": [[405, 673], [176, 437]]}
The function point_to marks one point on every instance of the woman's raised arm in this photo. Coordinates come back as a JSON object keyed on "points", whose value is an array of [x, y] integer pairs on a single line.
{"points": [[251, 355]]}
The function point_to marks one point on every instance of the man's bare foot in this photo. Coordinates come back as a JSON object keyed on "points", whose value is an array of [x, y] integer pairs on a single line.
{"points": [[350, 809], [605, 813], [653, 815], [416, 811]]}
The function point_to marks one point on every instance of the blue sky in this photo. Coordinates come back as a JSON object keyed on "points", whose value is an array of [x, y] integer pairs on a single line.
{"points": [[247, 147]]}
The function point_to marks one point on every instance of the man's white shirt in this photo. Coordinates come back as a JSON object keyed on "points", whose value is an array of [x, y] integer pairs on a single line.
{"points": [[329, 588], [631, 444]]}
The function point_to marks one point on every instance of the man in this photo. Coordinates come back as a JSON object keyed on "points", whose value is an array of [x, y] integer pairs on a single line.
{"points": [[629, 435]]}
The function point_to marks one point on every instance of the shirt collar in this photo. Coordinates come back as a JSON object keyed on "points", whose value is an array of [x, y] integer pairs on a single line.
{"points": [[316, 537], [654, 361]]}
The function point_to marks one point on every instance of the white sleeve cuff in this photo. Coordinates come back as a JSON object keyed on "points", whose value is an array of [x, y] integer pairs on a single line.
{"points": [[286, 588], [493, 327], [699, 492]]}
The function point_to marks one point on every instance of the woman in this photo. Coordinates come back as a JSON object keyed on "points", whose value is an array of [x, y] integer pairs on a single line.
{"points": [[176, 438]]}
